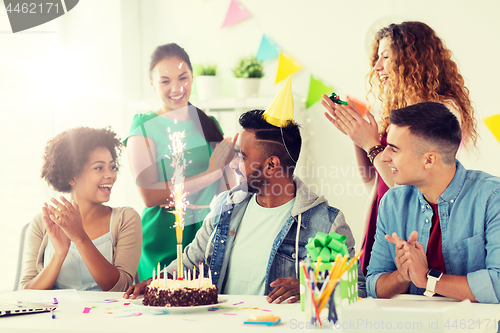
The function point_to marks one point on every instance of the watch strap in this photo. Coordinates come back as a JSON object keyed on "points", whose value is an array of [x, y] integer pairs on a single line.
{"points": [[431, 283]]}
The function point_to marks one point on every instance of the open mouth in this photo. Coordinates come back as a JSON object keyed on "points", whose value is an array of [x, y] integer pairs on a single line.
{"points": [[384, 78], [176, 98], [105, 188]]}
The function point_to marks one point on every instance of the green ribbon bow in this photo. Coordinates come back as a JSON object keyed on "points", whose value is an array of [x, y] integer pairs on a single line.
{"points": [[326, 246]]}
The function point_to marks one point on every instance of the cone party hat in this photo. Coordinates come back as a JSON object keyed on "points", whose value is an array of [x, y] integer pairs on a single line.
{"points": [[280, 111]]}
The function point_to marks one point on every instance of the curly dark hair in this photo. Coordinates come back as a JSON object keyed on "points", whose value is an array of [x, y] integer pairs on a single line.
{"points": [[66, 153], [425, 71]]}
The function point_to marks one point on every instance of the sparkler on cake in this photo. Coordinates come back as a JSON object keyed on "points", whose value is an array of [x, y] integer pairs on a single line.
{"points": [[183, 289], [178, 195]]}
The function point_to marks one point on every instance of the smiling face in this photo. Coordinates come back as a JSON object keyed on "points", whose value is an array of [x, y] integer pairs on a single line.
{"points": [[248, 163], [172, 79], [97, 177], [406, 163], [383, 66]]}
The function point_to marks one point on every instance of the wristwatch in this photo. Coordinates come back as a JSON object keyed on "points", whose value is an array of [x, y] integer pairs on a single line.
{"points": [[433, 276]]}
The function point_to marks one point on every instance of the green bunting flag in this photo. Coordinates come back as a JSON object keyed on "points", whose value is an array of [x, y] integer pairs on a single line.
{"points": [[316, 90]]}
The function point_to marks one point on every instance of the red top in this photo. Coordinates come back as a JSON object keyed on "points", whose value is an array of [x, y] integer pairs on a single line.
{"points": [[372, 223], [435, 258]]}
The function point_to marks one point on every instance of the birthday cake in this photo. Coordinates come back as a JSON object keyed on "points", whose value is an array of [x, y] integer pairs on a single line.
{"points": [[170, 293]]}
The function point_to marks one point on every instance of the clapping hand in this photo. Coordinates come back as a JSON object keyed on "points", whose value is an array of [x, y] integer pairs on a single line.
{"points": [[410, 258], [66, 215], [57, 236], [222, 154], [348, 120]]}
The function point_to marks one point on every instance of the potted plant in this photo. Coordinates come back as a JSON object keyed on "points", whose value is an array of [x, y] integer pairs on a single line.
{"points": [[248, 72], [207, 83]]}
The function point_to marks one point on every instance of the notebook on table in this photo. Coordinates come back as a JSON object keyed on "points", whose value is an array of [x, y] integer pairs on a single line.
{"points": [[8, 307]]}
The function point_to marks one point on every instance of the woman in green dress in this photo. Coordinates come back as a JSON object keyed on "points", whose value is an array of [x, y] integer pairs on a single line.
{"points": [[149, 146]]}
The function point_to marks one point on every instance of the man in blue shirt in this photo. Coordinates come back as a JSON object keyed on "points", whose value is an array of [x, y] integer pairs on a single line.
{"points": [[440, 231]]}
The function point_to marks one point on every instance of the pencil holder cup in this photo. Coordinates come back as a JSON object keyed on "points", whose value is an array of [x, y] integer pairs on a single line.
{"points": [[313, 302], [346, 291]]}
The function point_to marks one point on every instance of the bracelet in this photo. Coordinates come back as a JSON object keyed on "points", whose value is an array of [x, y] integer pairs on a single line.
{"points": [[374, 151]]}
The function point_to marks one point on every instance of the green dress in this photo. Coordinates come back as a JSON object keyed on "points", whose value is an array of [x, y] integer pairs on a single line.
{"points": [[159, 240]]}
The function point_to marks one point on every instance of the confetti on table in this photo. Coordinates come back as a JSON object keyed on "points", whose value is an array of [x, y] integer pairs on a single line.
{"points": [[238, 303], [158, 313], [86, 310], [113, 307], [136, 314], [230, 314], [215, 308], [110, 301], [126, 303]]}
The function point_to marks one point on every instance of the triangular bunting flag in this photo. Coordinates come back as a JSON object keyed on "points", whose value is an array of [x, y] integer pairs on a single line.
{"points": [[267, 49], [286, 67], [235, 14], [361, 106], [316, 90], [493, 124]]}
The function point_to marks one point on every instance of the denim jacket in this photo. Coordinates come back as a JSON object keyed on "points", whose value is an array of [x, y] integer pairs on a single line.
{"points": [[213, 242], [469, 216]]}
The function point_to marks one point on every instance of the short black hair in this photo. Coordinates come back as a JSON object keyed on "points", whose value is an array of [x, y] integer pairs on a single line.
{"points": [[66, 153], [434, 123], [284, 142]]}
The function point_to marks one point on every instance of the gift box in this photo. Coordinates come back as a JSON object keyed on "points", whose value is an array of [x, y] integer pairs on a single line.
{"points": [[327, 247]]}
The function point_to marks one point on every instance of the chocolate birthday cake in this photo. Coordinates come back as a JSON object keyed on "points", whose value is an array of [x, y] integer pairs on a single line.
{"points": [[170, 293]]}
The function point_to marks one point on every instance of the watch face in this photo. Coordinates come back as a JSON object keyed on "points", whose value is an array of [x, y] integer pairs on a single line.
{"points": [[434, 273]]}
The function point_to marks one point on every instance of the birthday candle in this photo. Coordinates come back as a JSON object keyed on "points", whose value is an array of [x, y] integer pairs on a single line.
{"points": [[158, 271], [175, 275], [210, 276]]}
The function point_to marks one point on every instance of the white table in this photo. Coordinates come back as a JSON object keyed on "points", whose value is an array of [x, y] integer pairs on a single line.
{"points": [[118, 317]]}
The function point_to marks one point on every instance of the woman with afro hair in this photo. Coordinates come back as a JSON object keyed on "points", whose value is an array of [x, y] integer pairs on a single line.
{"points": [[81, 243], [410, 64]]}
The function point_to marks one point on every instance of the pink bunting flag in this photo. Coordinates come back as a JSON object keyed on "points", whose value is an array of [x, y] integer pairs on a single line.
{"points": [[235, 14]]}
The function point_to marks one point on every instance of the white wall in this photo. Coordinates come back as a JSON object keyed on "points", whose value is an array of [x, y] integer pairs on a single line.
{"points": [[89, 67]]}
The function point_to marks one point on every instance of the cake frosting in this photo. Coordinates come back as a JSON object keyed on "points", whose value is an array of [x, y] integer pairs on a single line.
{"points": [[168, 293]]}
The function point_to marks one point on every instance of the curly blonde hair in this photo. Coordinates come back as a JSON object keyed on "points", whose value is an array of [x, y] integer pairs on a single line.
{"points": [[424, 71]]}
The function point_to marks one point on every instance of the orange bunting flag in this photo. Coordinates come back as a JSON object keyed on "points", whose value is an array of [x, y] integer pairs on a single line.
{"points": [[361, 106], [286, 67]]}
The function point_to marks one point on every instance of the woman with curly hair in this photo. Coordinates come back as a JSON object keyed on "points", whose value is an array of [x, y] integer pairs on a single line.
{"points": [[82, 244], [410, 64]]}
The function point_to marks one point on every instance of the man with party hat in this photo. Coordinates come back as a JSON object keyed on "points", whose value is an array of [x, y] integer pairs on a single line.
{"points": [[255, 235]]}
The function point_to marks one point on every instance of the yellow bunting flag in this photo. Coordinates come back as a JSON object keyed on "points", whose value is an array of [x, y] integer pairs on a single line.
{"points": [[286, 67], [281, 108], [493, 124], [316, 90]]}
